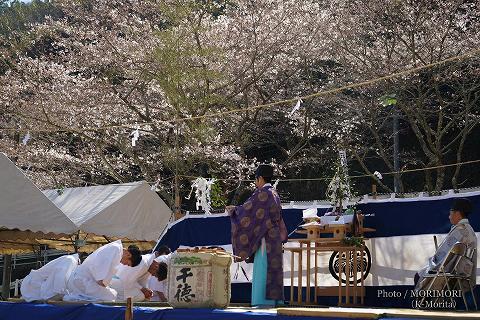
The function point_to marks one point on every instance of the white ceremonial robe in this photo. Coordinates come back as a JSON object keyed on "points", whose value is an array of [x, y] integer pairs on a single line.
{"points": [[50, 281], [164, 258], [159, 286], [102, 264], [461, 232], [128, 281]]}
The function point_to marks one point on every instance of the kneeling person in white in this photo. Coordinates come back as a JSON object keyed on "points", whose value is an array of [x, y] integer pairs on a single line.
{"points": [[90, 281], [132, 282], [50, 281], [158, 284]]}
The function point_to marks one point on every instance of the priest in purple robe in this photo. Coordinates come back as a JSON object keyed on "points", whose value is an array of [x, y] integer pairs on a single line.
{"points": [[258, 231]]}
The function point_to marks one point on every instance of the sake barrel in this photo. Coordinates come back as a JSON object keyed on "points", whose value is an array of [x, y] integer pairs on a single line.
{"points": [[199, 279]]}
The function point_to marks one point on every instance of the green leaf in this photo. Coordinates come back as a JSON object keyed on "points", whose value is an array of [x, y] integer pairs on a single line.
{"points": [[388, 100]]}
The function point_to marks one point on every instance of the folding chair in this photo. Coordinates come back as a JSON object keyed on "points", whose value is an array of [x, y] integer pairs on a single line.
{"points": [[470, 256], [448, 272]]}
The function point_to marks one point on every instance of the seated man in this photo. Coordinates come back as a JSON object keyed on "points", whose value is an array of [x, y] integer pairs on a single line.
{"points": [[50, 281], [158, 284], [461, 232], [90, 281]]}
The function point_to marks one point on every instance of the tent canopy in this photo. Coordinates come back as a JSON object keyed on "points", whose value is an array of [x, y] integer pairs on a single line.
{"points": [[130, 210], [29, 218], [24, 207]]}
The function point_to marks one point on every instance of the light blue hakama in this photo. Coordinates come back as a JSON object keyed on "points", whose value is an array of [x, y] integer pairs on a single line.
{"points": [[259, 281]]}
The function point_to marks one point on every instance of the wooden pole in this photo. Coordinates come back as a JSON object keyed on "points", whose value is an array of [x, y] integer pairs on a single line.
{"points": [[355, 275], [362, 297], [75, 243], [129, 310], [7, 276], [340, 277], [347, 276], [300, 275], [307, 298], [316, 274], [374, 191], [292, 270]]}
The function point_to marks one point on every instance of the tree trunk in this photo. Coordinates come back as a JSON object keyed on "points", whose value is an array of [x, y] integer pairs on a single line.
{"points": [[440, 179], [459, 159], [178, 200], [428, 180]]}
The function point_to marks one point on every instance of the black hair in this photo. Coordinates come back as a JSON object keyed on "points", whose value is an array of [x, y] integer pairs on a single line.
{"points": [[162, 271], [136, 255], [264, 170], [267, 179], [162, 250], [463, 205]]}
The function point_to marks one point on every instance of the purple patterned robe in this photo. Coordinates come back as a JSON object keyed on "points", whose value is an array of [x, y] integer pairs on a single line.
{"points": [[261, 217]]}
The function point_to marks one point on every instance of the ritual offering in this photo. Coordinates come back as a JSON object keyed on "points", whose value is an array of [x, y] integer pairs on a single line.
{"points": [[336, 225], [312, 223], [199, 278]]}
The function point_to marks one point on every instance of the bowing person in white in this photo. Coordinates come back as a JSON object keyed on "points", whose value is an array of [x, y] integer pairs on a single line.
{"points": [[90, 281], [132, 282], [158, 284], [50, 281]]}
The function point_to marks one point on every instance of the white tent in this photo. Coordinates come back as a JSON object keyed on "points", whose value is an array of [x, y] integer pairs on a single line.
{"points": [[23, 206], [130, 210]]}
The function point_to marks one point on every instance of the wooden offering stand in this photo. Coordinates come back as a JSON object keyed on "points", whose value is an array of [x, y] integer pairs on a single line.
{"points": [[350, 258], [203, 250]]}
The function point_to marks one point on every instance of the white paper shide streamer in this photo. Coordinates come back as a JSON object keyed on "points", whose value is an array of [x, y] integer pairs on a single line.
{"points": [[203, 188], [155, 186], [343, 157], [296, 107], [276, 184], [135, 135], [26, 138]]}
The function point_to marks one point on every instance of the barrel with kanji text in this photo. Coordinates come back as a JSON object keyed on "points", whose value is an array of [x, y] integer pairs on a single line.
{"points": [[199, 279]]}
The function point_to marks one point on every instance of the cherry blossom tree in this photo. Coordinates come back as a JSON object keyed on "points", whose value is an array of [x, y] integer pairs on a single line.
{"points": [[122, 90], [436, 105]]}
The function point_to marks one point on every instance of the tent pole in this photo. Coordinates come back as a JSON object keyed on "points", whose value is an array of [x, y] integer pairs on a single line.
{"points": [[7, 276], [75, 244]]}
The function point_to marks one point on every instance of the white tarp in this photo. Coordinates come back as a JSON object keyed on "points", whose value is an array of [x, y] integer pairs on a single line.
{"points": [[23, 206], [130, 210]]}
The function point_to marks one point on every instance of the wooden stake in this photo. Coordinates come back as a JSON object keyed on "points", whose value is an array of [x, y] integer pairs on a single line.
{"points": [[374, 191], [129, 310], [7, 276]]}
